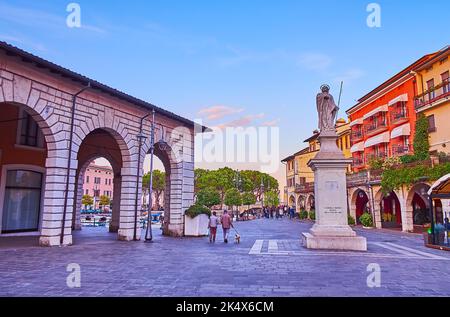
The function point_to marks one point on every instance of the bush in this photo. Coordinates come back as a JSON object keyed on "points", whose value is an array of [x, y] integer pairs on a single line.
{"points": [[312, 215], [366, 220], [303, 214], [196, 210], [351, 220]]}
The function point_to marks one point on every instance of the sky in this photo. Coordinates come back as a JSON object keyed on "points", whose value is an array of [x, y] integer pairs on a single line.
{"points": [[249, 63]]}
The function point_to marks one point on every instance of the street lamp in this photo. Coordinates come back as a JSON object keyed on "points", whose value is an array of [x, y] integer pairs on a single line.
{"points": [[148, 231]]}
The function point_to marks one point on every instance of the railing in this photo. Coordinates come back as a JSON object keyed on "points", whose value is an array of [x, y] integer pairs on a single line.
{"points": [[358, 162], [378, 126], [357, 135], [364, 178], [399, 150], [440, 91], [399, 115], [304, 188], [375, 156]]}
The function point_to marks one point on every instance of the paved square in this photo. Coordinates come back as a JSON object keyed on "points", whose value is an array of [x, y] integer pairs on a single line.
{"points": [[270, 261]]}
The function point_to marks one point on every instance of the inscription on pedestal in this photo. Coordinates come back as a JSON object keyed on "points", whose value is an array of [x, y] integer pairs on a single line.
{"points": [[333, 210], [332, 185]]}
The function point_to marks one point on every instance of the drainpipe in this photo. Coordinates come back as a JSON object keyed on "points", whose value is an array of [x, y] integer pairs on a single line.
{"points": [[69, 159], [141, 137]]}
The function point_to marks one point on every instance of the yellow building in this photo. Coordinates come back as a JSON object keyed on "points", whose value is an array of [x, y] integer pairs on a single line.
{"points": [[433, 99], [299, 191]]}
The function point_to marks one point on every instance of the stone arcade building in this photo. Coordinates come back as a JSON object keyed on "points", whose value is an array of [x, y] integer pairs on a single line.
{"points": [[53, 122]]}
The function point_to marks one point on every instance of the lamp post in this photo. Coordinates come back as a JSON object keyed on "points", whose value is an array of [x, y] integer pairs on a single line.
{"points": [[148, 231]]}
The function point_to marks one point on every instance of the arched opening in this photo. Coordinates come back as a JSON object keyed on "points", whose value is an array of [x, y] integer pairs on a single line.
{"points": [[419, 203], [310, 203], [301, 202], [390, 208], [361, 204], [160, 202], [98, 184], [292, 202], [23, 155]]}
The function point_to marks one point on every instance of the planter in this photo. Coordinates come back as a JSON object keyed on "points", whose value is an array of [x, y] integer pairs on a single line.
{"points": [[196, 227]]}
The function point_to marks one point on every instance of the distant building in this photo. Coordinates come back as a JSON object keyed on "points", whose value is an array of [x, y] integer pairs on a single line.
{"points": [[98, 181]]}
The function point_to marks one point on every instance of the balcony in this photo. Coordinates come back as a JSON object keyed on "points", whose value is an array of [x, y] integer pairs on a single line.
{"points": [[375, 127], [400, 150], [433, 95], [363, 178], [304, 188], [357, 136], [358, 162], [399, 116], [375, 156]]}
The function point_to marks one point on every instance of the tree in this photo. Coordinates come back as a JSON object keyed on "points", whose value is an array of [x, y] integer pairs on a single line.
{"points": [[159, 184], [421, 141], [87, 200], [104, 201], [272, 198], [233, 198], [248, 198], [208, 197]]}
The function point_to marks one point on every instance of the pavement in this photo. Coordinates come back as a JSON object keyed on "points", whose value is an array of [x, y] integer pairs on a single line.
{"points": [[269, 261]]}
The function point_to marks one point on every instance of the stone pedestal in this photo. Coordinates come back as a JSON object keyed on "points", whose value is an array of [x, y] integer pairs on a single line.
{"points": [[331, 230]]}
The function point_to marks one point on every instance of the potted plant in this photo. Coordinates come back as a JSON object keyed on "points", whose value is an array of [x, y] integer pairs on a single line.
{"points": [[312, 215], [366, 220], [427, 236], [303, 214], [351, 220], [196, 221]]}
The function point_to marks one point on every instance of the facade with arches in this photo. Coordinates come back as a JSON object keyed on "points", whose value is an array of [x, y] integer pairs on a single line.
{"points": [[53, 123]]}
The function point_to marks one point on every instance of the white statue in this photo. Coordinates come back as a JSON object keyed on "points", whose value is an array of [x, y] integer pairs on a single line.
{"points": [[327, 109]]}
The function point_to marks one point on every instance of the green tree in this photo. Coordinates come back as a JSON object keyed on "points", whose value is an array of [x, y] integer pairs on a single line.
{"points": [[233, 198], [248, 198], [104, 201], [208, 197], [87, 200], [159, 185], [272, 198]]}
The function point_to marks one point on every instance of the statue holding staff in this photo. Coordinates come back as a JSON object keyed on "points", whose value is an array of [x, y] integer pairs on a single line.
{"points": [[327, 109]]}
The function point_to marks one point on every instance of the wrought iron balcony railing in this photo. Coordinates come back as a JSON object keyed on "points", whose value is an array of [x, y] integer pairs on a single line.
{"points": [[432, 95]]}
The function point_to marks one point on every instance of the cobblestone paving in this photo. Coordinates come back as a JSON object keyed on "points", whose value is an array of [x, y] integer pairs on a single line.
{"points": [[270, 261]]}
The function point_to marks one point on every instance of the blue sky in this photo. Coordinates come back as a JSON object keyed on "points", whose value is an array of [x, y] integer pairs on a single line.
{"points": [[253, 61]]}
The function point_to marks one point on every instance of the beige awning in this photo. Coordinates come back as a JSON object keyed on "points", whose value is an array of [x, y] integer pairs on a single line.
{"points": [[403, 130], [400, 98], [358, 147], [378, 139], [375, 111], [356, 122]]}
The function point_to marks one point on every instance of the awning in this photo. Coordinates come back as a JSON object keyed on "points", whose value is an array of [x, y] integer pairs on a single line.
{"points": [[375, 111], [403, 130], [400, 98], [442, 186], [378, 139], [356, 122], [358, 147]]}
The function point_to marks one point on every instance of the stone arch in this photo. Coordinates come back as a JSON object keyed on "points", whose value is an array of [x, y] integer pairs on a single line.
{"points": [[292, 200], [417, 204], [359, 203], [389, 206], [301, 201], [110, 144], [310, 202]]}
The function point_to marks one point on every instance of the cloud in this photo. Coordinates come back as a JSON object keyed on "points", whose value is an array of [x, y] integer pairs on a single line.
{"points": [[218, 112], [315, 61], [350, 76], [271, 123], [242, 121], [18, 40]]}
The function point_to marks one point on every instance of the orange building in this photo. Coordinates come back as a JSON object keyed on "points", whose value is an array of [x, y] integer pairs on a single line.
{"points": [[383, 121]]}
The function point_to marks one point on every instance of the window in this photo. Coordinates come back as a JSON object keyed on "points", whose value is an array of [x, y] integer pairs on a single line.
{"points": [[87, 192], [97, 180], [22, 204], [30, 134], [106, 181], [87, 179], [430, 87], [431, 124], [445, 82]]}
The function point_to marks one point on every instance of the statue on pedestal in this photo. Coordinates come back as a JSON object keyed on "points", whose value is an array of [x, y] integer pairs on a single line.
{"points": [[327, 109]]}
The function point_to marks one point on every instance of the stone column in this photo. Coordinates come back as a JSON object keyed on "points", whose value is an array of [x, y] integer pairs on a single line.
{"points": [[331, 230], [115, 217]]}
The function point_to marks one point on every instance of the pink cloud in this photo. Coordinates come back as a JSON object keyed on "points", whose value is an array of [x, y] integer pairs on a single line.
{"points": [[218, 112], [271, 123], [242, 122]]}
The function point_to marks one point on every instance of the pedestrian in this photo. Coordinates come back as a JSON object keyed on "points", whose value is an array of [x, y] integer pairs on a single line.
{"points": [[280, 212], [212, 225], [227, 223]]}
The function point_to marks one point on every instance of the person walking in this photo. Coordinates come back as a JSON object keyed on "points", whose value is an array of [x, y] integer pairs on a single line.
{"points": [[212, 225], [227, 223]]}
